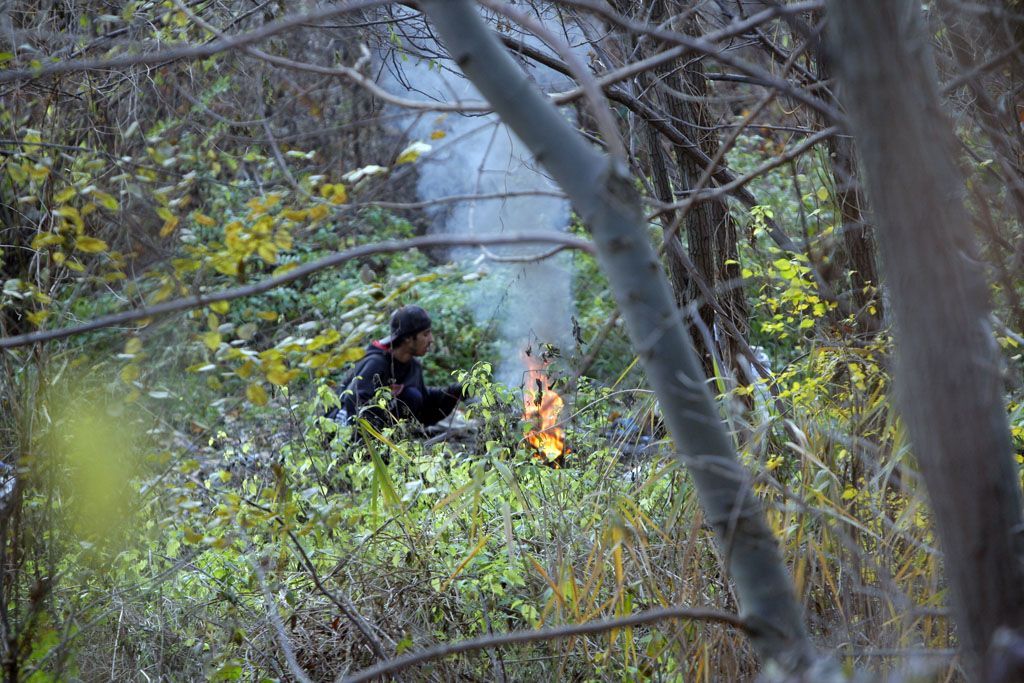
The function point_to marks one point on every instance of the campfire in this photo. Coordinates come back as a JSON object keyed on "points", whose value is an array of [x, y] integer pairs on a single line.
{"points": [[542, 406]]}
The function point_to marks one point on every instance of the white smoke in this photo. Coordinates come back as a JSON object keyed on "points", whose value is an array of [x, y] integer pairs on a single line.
{"points": [[528, 303]]}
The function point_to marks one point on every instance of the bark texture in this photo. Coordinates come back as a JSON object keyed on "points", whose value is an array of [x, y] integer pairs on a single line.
{"points": [[948, 377], [604, 195]]}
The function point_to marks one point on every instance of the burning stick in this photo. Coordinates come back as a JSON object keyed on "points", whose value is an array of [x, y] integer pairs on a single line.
{"points": [[542, 407]]}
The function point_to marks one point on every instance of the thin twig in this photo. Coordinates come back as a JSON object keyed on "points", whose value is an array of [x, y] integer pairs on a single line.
{"points": [[342, 603], [275, 620], [534, 635]]}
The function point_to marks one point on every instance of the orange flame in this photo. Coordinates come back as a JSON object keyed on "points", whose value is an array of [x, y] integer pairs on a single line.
{"points": [[542, 406]]}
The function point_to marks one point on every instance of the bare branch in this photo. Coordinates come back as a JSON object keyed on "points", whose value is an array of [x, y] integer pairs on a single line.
{"points": [[592, 92], [198, 301], [275, 620], [706, 47], [737, 183], [554, 633]]}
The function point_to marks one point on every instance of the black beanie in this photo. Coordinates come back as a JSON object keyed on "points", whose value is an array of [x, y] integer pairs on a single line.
{"points": [[406, 322]]}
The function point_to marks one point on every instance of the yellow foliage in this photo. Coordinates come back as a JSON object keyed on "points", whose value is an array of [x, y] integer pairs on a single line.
{"points": [[203, 219], [90, 245], [64, 195], [283, 239], [130, 373], [268, 252], [212, 340], [72, 214], [282, 269], [46, 239], [256, 394], [105, 200], [96, 450], [37, 317], [281, 377], [169, 225], [413, 152]]}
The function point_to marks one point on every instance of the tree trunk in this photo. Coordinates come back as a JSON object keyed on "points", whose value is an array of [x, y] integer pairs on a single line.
{"points": [[948, 382], [604, 195]]}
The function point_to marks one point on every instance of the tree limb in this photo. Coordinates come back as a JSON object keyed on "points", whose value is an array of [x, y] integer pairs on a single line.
{"points": [[198, 301], [534, 635]]}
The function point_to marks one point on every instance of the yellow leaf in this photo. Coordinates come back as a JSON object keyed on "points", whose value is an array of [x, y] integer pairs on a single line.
{"points": [[220, 307], [212, 322], [133, 346], [105, 200], [412, 152], [321, 340], [317, 212], [822, 193], [318, 360], [212, 340], [352, 354], [225, 265], [281, 377], [256, 394], [38, 172], [246, 369], [340, 195], [17, 173], [72, 214], [37, 317], [203, 219], [75, 266], [130, 373], [267, 252], [90, 245], [281, 270], [164, 213], [246, 331], [294, 214], [267, 315], [64, 195], [283, 239], [437, 135], [159, 295], [58, 257], [169, 225], [46, 239]]}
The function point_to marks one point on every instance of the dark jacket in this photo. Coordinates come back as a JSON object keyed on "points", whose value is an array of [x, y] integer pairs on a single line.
{"points": [[378, 368]]}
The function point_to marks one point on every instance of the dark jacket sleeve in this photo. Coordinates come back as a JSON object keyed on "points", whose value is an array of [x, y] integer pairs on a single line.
{"points": [[427, 404], [372, 373], [439, 404]]}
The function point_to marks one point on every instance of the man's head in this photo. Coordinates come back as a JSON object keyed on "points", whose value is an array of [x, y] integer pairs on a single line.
{"points": [[410, 331]]}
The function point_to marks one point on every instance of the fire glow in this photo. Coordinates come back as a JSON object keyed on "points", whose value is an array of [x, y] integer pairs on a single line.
{"points": [[542, 406]]}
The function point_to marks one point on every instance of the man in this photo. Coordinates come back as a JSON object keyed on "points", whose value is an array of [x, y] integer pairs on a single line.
{"points": [[393, 362]]}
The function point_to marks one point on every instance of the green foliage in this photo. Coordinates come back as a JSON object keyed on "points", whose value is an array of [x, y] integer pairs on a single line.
{"points": [[181, 496]]}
